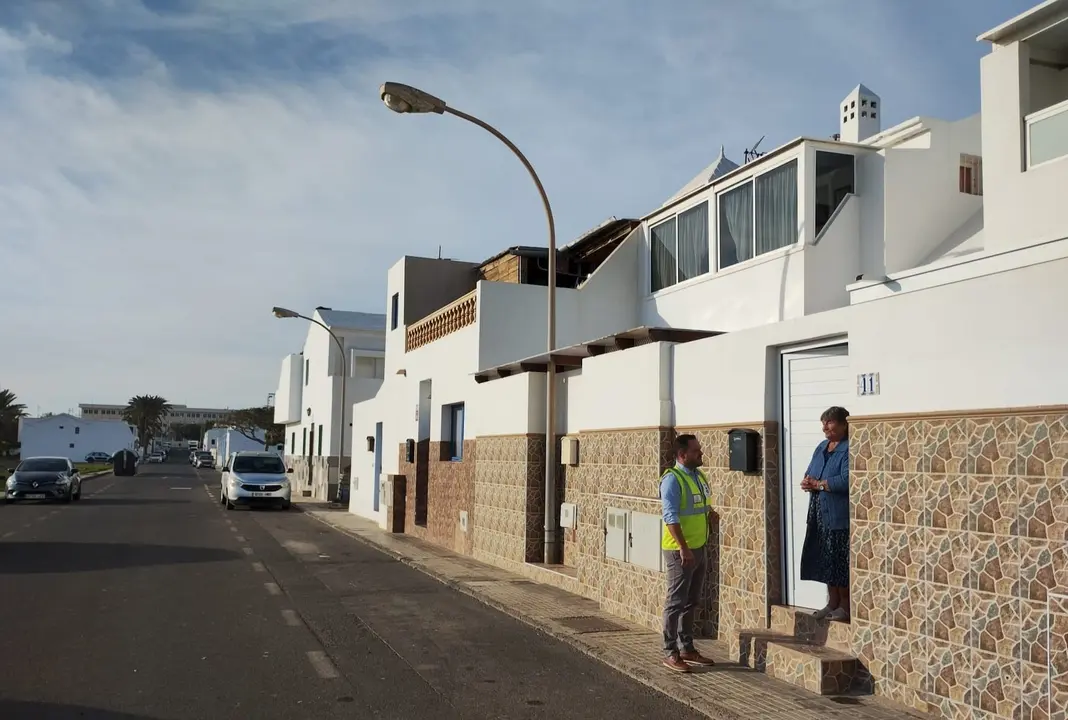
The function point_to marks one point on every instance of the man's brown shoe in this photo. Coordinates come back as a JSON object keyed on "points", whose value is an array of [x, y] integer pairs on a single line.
{"points": [[693, 657], [675, 663]]}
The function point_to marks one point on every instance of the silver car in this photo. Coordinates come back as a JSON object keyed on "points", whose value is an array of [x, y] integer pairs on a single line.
{"points": [[255, 479]]}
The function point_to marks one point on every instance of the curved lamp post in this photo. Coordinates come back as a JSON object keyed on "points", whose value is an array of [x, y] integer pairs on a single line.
{"points": [[405, 99], [284, 313]]}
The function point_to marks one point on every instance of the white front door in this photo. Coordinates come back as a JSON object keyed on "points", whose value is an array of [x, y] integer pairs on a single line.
{"points": [[812, 381]]}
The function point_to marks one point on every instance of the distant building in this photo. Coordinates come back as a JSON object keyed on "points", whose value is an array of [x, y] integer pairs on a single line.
{"points": [[179, 414], [72, 437]]}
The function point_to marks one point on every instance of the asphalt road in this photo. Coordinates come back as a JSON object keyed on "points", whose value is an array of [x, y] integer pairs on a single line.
{"points": [[148, 601]]}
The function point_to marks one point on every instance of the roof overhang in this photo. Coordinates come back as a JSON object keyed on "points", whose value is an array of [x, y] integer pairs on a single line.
{"points": [[571, 357], [1035, 20]]}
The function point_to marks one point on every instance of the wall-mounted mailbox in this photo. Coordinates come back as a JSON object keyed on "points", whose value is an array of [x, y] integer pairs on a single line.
{"points": [[744, 450], [409, 450], [370, 443]]}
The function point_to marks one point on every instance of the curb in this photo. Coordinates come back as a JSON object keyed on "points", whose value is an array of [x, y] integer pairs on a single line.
{"points": [[100, 473], [640, 675]]}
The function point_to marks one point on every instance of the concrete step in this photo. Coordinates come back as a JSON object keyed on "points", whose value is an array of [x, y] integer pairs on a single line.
{"points": [[818, 669], [800, 623], [749, 647]]}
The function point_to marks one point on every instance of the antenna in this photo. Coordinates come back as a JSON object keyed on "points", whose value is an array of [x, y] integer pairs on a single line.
{"points": [[751, 153], [439, 252]]}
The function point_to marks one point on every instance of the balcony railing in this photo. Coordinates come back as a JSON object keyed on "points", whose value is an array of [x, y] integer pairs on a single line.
{"points": [[456, 315], [1047, 134]]}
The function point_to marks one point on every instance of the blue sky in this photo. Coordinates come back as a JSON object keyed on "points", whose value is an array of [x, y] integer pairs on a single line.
{"points": [[174, 168]]}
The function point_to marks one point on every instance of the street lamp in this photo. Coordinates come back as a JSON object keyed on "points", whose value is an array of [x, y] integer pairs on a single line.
{"points": [[284, 313], [405, 99]]}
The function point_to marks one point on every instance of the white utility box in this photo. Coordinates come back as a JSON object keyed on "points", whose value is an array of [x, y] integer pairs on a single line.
{"points": [[568, 515], [569, 450]]}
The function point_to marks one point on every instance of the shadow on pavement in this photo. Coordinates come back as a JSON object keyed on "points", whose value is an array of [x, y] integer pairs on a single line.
{"points": [[27, 558], [20, 710], [133, 501]]}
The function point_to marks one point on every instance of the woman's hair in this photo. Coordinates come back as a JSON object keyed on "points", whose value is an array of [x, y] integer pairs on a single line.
{"points": [[835, 414]]}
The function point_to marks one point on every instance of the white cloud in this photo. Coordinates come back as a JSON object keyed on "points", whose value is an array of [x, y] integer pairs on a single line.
{"points": [[138, 205]]}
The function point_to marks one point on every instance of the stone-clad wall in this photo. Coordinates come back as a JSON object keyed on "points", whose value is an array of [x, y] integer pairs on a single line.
{"points": [[508, 498], [960, 560], [450, 489]]}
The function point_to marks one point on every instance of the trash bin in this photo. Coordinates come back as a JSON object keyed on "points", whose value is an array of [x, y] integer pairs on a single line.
{"points": [[124, 463]]}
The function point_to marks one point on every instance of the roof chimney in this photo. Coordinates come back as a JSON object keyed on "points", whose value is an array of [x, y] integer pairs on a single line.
{"points": [[861, 114]]}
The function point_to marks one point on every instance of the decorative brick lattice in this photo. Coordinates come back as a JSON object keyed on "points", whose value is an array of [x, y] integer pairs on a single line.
{"points": [[454, 316]]}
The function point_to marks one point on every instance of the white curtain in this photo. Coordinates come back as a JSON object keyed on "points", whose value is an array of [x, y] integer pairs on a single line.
{"points": [[662, 256], [736, 225], [776, 208], [693, 242]]}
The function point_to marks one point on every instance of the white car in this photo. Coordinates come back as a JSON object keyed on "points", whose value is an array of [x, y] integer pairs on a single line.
{"points": [[255, 479], [204, 460], [156, 457]]}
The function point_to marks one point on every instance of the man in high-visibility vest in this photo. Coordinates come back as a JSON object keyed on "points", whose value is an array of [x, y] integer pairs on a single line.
{"points": [[684, 502]]}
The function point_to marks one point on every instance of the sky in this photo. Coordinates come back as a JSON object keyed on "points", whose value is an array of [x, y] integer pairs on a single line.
{"points": [[172, 169]]}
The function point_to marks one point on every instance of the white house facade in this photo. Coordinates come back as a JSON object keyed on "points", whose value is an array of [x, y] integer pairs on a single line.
{"points": [[309, 399], [910, 274], [74, 437]]}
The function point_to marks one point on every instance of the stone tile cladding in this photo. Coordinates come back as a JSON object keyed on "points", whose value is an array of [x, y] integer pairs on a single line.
{"points": [[450, 489], [320, 476], [622, 468], [509, 501], [960, 561]]}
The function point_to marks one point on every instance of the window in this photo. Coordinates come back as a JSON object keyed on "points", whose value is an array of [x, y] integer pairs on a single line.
{"points": [[307, 371], [394, 311], [971, 174], [77, 431], [304, 443], [293, 443], [319, 443], [679, 248], [368, 367], [835, 178], [759, 216], [266, 464], [454, 420]]}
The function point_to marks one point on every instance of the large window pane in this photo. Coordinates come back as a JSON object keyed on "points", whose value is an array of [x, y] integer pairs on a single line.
{"points": [[662, 255], [736, 225], [776, 208], [693, 242], [835, 178]]}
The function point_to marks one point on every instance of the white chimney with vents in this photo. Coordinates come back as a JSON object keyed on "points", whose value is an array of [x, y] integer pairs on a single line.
{"points": [[861, 114]]}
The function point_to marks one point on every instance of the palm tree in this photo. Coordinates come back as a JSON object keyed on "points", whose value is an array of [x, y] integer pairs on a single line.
{"points": [[10, 412], [147, 413]]}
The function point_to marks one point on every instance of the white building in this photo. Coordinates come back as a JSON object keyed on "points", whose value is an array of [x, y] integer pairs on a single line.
{"points": [[308, 399], [178, 415], [224, 442], [73, 437], [904, 273]]}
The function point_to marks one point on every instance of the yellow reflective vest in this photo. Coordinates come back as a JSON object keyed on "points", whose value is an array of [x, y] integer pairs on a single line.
{"points": [[693, 512]]}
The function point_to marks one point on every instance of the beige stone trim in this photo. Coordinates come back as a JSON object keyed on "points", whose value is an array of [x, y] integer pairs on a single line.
{"points": [[646, 428], [722, 426], [509, 436], [960, 414]]}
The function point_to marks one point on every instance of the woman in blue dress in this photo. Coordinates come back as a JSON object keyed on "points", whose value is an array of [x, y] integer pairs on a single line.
{"points": [[825, 555]]}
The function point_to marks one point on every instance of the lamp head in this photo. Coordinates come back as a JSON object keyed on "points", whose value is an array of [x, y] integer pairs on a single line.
{"points": [[405, 99]]}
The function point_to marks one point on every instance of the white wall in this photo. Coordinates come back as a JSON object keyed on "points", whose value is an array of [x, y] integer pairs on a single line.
{"points": [[1020, 205], [290, 385], [975, 344], [623, 389], [832, 264], [71, 437], [512, 318], [923, 202]]}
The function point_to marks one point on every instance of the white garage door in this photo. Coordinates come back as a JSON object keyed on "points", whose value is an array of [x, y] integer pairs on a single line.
{"points": [[812, 381]]}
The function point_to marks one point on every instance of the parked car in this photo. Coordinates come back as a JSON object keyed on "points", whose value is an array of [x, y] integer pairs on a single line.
{"points": [[155, 457], [44, 478], [204, 460], [97, 457], [255, 479]]}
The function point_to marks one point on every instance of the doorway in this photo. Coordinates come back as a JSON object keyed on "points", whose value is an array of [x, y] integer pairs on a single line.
{"points": [[812, 381], [422, 455], [377, 473]]}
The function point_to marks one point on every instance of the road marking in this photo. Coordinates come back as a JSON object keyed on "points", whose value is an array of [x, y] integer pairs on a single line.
{"points": [[323, 667], [8, 534], [233, 529], [272, 588], [291, 618], [258, 567], [181, 488], [246, 550], [239, 538]]}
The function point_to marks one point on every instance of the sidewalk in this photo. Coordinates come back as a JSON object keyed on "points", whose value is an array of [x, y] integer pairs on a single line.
{"points": [[726, 692]]}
